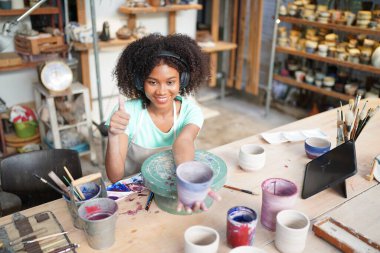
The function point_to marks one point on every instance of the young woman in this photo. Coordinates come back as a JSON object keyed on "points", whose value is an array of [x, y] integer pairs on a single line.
{"points": [[155, 73]]}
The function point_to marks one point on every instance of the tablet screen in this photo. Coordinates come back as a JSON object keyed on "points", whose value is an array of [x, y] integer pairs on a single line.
{"points": [[329, 169]]}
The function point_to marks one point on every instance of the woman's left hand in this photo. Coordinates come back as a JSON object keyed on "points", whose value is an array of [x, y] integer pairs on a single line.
{"points": [[198, 205]]}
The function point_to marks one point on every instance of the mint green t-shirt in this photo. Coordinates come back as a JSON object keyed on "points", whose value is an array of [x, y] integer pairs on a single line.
{"points": [[149, 136]]}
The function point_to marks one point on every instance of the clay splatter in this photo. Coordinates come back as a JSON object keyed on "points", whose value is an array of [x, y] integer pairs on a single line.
{"points": [[134, 212]]}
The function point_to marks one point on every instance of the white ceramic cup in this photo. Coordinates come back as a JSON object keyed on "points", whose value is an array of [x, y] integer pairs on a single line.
{"points": [[251, 157], [201, 239], [292, 228], [247, 249]]}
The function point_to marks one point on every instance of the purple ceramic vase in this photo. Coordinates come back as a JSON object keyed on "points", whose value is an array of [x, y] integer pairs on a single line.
{"points": [[278, 194], [193, 181]]}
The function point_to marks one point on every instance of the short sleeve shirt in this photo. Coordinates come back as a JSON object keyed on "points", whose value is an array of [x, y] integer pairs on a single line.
{"points": [[149, 135]]}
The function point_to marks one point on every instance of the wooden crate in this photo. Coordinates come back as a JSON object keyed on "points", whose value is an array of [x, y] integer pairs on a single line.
{"points": [[38, 45]]}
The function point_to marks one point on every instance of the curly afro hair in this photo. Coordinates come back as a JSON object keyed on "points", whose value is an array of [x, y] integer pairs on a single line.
{"points": [[139, 58]]}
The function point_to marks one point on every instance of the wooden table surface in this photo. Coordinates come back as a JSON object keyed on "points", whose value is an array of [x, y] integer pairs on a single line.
{"points": [[361, 213], [158, 231]]}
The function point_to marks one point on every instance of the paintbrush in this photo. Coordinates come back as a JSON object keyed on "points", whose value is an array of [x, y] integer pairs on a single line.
{"points": [[149, 201], [65, 248], [355, 125], [339, 127], [370, 114], [356, 103], [76, 187], [349, 116], [76, 195], [34, 233], [50, 184], [240, 190], [58, 181], [351, 103], [45, 237], [369, 177]]}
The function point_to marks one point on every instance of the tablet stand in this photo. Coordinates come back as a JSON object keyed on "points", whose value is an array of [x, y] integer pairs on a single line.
{"points": [[341, 188]]}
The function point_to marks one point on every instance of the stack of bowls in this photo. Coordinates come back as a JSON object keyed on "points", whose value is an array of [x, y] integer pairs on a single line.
{"points": [[328, 82], [324, 17], [363, 19]]}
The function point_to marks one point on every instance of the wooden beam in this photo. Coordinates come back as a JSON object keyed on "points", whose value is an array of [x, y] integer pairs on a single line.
{"points": [[240, 57], [255, 47], [81, 12], [84, 58], [85, 68], [232, 72], [215, 37], [171, 22]]}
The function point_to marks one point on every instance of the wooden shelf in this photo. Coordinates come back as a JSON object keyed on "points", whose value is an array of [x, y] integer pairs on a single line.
{"points": [[103, 44], [38, 11], [219, 47], [292, 82], [24, 65], [345, 28], [361, 67], [168, 8]]}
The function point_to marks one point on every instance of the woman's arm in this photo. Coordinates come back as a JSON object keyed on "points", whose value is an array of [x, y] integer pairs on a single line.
{"points": [[117, 147], [116, 155], [183, 147]]}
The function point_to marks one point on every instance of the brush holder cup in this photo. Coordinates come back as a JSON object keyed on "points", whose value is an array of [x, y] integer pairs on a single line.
{"points": [[92, 187]]}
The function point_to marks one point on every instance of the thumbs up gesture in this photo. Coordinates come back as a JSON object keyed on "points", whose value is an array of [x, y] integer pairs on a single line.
{"points": [[119, 120]]}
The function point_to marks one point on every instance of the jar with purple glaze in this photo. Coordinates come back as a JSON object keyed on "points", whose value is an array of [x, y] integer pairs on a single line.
{"points": [[278, 194]]}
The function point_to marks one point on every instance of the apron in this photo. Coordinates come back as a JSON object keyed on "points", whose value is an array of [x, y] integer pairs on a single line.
{"points": [[136, 154]]}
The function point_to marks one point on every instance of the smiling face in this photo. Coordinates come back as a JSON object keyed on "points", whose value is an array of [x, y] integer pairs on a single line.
{"points": [[162, 86]]}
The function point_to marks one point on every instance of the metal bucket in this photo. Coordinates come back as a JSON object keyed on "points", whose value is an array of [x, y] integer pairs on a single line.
{"points": [[99, 217], [91, 190]]}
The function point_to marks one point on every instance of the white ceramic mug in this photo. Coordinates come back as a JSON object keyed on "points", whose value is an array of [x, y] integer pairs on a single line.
{"points": [[201, 239], [251, 157], [247, 249], [292, 228]]}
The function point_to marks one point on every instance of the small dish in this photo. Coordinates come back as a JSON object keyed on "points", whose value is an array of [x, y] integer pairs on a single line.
{"points": [[316, 146]]}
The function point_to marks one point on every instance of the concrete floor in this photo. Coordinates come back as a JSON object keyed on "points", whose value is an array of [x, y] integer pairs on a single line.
{"points": [[227, 120]]}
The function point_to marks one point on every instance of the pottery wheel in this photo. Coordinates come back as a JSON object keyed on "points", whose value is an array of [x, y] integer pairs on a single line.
{"points": [[159, 176]]}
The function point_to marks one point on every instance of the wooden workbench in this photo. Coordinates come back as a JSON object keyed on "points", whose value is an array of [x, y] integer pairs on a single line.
{"points": [[157, 231]]}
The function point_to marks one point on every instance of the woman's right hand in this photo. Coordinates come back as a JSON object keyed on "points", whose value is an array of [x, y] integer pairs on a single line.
{"points": [[119, 120]]}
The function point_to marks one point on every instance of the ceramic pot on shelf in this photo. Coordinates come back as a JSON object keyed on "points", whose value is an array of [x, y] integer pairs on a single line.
{"points": [[375, 59]]}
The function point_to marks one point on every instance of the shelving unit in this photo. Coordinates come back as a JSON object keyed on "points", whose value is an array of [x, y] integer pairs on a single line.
{"points": [[24, 65], [220, 46], [316, 57], [343, 28], [47, 10], [40, 94], [38, 11], [306, 86], [330, 60], [170, 9]]}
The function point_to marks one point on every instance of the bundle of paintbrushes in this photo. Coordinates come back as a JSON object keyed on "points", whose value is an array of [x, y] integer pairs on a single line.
{"points": [[352, 122]]}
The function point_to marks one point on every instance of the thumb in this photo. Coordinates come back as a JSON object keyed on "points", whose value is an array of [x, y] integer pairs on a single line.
{"points": [[121, 103]]}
